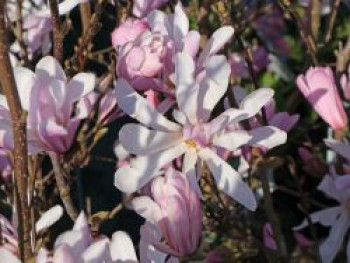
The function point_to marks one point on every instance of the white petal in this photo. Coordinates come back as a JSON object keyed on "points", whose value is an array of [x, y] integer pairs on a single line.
{"points": [[326, 217], [180, 25], [25, 80], [159, 22], [80, 85], [254, 101], [63, 8], [328, 187], [129, 179], [342, 149], [219, 38], [137, 107], [189, 169], [97, 252], [330, 247], [213, 86], [49, 218], [228, 180], [186, 88], [49, 68], [268, 137], [147, 208], [7, 256], [122, 248], [74, 240], [139, 140], [232, 140], [3, 101]]}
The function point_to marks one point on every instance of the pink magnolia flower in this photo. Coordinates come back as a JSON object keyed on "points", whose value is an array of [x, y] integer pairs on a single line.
{"points": [[193, 136], [319, 88], [176, 210], [128, 31], [148, 61], [141, 8], [49, 99], [78, 246], [345, 84]]}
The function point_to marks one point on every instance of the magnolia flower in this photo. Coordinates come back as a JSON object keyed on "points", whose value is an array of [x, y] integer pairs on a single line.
{"points": [[193, 136], [338, 217], [319, 88], [49, 99], [345, 84], [37, 22], [148, 61], [175, 210], [77, 245], [142, 7]]}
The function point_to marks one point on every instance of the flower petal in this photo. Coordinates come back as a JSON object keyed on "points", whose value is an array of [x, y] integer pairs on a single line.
{"points": [[213, 86], [63, 8], [267, 137], [340, 148], [137, 107], [219, 38], [97, 252], [147, 208], [254, 101], [131, 178], [49, 68], [180, 25], [228, 180], [7, 256], [122, 248], [232, 140], [139, 140], [186, 88], [49, 218], [326, 217], [330, 247], [79, 86], [25, 80]]}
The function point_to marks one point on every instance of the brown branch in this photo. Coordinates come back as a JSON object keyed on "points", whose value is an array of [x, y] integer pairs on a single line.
{"points": [[19, 32], [85, 13], [20, 140], [57, 32], [332, 19], [63, 186], [315, 18]]}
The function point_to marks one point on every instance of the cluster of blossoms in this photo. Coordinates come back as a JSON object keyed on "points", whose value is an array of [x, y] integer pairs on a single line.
{"points": [[189, 123]]}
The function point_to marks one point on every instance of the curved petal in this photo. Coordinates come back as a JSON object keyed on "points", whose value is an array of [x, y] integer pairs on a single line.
{"points": [[122, 248], [267, 137], [180, 25], [137, 107], [25, 81], [191, 43], [330, 247], [228, 180], [186, 88], [328, 187], [232, 140], [49, 68], [74, 240], [214, 85], [158, 21], [129, 179], [340, 148], [139, 140], [63, 8], [49, 218], [219, 38], [79, 86], [97, 252], [63, 254], [254, 101], [147, 208], [326, 217]]}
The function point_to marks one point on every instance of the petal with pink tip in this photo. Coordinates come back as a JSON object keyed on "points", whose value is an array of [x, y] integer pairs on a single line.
{"points": [[137, 107], [180, 25], [191, 43], [139, 140], [254, 101], [228, 180]]}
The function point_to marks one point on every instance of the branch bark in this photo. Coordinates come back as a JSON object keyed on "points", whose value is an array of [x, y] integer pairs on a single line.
{"points": [[18, 117], [57, 32]]}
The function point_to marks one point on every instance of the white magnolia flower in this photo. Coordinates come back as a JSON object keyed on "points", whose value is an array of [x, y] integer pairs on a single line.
{"points": [[157, 140], [337, 217]]}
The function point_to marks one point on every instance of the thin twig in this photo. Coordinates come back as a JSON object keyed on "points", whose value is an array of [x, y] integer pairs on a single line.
{"points": [[57, 32], [315, 15], [20, 139], [63, 186], [332, 19]]}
